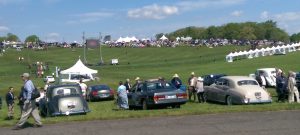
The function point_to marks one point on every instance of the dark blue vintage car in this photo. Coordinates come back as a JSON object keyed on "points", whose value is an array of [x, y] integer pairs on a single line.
{"points": [[63, 100], [148, 94]]}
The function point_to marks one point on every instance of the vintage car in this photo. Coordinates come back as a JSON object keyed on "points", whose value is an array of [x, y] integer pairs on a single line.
{"points": [[298, 80], [268, 73], [63, 100], [211, 78], [236, 90], [154, 93], [49, 79], [99, 92]]}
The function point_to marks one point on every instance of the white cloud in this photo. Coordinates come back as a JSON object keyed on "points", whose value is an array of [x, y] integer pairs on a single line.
{"points": [[4, 29], [264, 15], [153, 12], [237, 13], [288, 16], [53, 37], [89, 17], [196, 4]]}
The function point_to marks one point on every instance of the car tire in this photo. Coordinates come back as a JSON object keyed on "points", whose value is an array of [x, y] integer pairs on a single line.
{"points": [[175, 106], [144, 105], [228, 100]]}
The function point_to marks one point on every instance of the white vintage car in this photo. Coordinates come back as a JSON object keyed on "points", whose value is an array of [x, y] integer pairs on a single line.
{"points": [[269, 74], [236, 90]]}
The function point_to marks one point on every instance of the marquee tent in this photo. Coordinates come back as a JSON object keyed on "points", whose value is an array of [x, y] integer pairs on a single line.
{"points": [[77, 72], [263, 52], [163, 38]]}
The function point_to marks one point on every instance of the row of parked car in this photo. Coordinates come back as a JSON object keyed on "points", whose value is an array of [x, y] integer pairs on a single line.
{"points": [[68, 99]]}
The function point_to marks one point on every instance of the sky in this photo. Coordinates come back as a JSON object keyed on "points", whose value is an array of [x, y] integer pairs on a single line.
{"points": [[67, 20]]}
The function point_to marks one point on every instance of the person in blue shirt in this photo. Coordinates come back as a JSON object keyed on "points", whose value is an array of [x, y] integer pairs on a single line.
{"points": [[29, 107], [122, 96]]}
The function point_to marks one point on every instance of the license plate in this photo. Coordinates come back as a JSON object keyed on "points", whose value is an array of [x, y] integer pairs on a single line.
{"points": [[103, 95], [171, 97]]}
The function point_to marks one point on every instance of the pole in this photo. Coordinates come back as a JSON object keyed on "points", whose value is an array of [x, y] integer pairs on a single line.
{"points": [[84, 48], [101, 59]]}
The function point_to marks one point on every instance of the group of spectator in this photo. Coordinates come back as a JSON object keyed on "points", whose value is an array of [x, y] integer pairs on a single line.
{"points": [[286, 87]]}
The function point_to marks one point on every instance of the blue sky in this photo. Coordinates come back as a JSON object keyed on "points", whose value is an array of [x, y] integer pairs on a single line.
{"points": [[66, 20]]}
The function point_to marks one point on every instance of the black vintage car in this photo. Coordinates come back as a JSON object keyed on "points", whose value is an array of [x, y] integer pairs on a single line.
{"points": [[211, 78], [298, 80], [63, 100], [149, 94]]}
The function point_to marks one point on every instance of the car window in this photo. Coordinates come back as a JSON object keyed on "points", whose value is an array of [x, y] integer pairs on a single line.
{"points": [[164, 85], [100, 87], [63, 91], [247, 82]]}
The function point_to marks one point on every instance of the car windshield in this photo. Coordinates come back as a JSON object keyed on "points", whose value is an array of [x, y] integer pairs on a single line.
{"points": [[100, 87], [247, 82], [63, 91], [159, 86]]}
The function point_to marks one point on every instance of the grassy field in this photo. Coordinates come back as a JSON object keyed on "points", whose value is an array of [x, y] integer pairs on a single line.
{"points": [[145, 63]]}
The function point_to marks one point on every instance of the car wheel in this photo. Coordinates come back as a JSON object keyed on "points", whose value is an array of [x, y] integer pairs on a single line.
{"points": [[175, 106], [228, 100], [145, 106]]}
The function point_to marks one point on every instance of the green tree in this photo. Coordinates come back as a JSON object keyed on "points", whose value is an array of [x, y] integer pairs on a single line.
{"points": [[157, 36], [295, 37], [32, 39], [12, 37], [2, 39]]}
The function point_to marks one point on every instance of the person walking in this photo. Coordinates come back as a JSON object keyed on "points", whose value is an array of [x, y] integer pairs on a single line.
{"points": [[29, 107], [176, 81], [200, 90], [122, 96], [10, 97], [292, 89], [191, 89], [83, 87]]}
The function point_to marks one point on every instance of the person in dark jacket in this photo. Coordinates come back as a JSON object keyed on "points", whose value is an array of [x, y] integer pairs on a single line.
{"points": [[10, 97], [176, 81], [281, 86]]}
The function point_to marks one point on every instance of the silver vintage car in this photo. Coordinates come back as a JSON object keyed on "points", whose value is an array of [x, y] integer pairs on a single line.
{"points": [[63, 100], [236, 90]]}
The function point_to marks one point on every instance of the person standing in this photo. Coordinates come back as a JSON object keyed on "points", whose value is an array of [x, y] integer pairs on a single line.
{"points": [[192, 83], [176, 81], [29, 107], [200, 90], [127, 85], [10, 103], [122, 96], [292, 89], [83, 87]]}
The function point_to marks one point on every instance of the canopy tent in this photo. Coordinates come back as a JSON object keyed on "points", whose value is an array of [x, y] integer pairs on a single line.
{"points": [[77, 72], [163, 38]]}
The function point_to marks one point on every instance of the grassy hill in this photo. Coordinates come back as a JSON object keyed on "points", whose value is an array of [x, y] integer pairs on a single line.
{"points": [[145, 63]]}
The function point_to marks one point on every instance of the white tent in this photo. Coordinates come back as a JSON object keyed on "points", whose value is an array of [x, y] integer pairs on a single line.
{"points": [[163, 38], [76, 72]]}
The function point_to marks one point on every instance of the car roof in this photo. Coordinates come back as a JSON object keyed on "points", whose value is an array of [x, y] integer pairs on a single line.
{"points": [[63, 85], [267, 69], [238, 78]]}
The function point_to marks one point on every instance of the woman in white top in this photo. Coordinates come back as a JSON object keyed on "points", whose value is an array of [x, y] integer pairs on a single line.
{"points": [[292, 89]]}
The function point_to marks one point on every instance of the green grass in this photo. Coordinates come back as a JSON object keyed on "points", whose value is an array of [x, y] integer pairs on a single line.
{"points": [[145, 63]]}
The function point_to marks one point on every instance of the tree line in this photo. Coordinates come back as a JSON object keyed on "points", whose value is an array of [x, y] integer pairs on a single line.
{"points": [[240, 31]]}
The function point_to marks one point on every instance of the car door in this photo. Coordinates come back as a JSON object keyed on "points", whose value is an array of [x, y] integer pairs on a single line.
{"points": [[131, 94], [223, 90], [139, 94], [213, 91]]}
